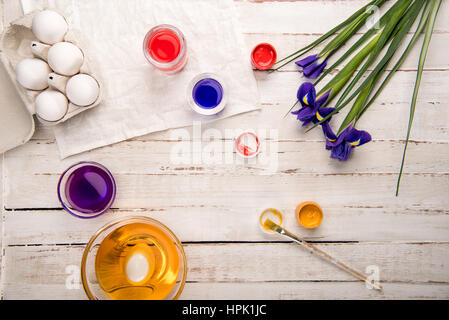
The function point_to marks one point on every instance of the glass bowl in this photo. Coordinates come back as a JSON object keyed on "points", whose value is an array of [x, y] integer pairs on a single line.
{"points": [[135, 258], [87, 189]]}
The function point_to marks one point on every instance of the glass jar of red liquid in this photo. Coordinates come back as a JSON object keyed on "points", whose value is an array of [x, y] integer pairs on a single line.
{"points": [[165, 48]]}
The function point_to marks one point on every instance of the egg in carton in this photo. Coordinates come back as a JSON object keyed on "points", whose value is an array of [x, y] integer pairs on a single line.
{"points": [[52, 74]]}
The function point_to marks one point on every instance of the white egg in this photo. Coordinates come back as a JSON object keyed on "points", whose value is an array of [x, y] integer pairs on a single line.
{"points": [[49, 26], [82, 90], [51, 105], [65, 58], [32, 73]]}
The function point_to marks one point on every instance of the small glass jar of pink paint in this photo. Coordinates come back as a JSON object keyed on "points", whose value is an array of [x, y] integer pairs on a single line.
{"points": [[247, 145]]}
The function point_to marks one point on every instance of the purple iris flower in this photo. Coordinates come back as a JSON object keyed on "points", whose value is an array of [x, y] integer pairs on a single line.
{"points": [[323, 113], [341, 146], [313, 65], [310, 111]]}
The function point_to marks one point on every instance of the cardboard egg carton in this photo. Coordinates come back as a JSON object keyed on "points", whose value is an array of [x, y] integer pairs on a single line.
{"points": [[16, 46]]}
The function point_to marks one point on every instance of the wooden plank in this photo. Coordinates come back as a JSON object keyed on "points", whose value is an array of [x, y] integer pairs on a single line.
{"points": [[278, 93], [309, 16], [397, 262], [284, 157], [422, 264], [310, 291], [256, 191], [287, 43], [235, 224], [148, 190], [279, 90], [259, 291]]}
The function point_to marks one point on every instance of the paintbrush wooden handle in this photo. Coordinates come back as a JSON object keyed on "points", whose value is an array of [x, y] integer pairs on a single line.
{"points": [[331, 259]]}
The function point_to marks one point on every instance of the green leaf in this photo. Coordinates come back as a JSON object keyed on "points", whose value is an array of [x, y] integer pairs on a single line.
{"points": [[381, 23], [343, 36], [357, 106], [349, 31], [402, 29], [341, 78], [384, 37], [338, 82], [401, 60], [399, 33], [328, 34], [422, 59], [297, 101]]}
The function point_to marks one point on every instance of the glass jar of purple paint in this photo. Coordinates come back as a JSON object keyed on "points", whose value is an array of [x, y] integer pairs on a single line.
{"points": [[86, 189], [207, 94]]}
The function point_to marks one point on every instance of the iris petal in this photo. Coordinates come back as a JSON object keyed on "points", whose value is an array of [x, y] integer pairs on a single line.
{"points": [[358, 137], [310, 111], [321, 99], [305, 114], [323, 113], [305, 100], [306, 61], [306, 94], [341, 146], [355, 143], [331, 138], [342, 152], [314, 70]]}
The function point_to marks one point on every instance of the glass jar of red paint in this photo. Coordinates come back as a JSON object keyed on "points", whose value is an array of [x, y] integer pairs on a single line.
{"points": [[165, 48], [263, 56], [86, 189]]}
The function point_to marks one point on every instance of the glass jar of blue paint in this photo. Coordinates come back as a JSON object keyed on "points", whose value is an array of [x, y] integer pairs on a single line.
{"points": [[207, 94]]}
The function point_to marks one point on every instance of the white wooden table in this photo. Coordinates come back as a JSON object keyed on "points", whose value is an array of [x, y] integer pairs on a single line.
{"points": [[407, 237]]}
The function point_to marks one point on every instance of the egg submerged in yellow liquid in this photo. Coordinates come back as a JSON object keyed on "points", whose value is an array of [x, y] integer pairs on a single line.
{"points": [[137, 261]]}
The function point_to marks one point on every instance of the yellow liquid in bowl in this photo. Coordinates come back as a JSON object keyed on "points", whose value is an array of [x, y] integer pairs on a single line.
{"points": [[137, 261]]}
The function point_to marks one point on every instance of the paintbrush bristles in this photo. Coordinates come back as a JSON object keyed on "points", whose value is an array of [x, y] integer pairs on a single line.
{"points": [[270, 225]]}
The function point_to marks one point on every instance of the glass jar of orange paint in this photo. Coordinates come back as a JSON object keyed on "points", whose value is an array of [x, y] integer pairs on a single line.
{"points": [[309, 214]]}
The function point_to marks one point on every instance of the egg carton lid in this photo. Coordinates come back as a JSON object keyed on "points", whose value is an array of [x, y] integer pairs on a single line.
{"points": [[16, 123]]}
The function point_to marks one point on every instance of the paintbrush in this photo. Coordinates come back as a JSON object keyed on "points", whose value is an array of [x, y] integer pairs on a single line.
{"points": [[270, 225]]}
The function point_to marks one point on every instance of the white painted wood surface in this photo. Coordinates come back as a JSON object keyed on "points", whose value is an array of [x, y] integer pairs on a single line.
{"points": [[406, 237]]}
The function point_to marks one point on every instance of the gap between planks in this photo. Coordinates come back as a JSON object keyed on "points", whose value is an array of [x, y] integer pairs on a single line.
{"points": [[255, 242]]}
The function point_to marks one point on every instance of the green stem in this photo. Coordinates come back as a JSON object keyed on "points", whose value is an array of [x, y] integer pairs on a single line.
{"points": [[384, 38], [355, 21], [422, 58], [339, 81], [396, 35], [357, 106], [297, 101], [401, 60], [380, 23]]}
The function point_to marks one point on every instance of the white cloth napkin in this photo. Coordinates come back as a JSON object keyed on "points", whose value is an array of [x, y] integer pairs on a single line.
{"points": [[139, 99]]}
